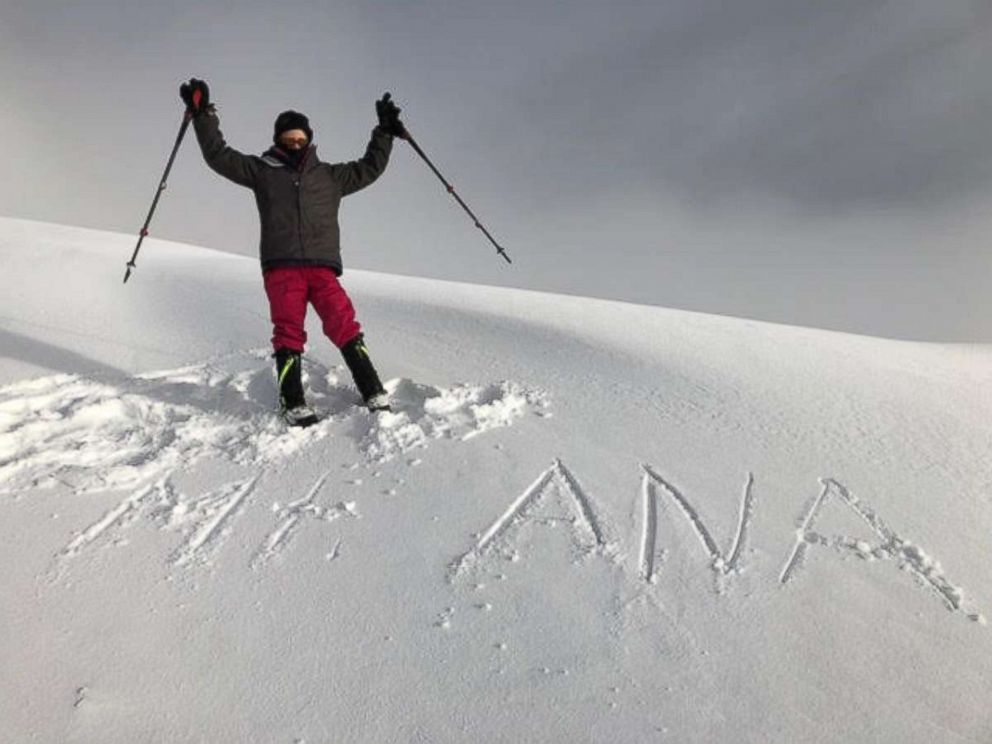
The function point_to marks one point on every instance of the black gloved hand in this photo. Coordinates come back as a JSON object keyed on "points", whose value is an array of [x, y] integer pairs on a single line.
{"points": [[196, 95], [389, 116]]}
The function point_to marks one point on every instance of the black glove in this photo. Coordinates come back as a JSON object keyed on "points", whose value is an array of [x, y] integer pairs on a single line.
{"points": [[196, 95], [389, 116]]}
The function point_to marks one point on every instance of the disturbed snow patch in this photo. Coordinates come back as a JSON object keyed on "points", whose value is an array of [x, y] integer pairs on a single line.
{"points": [[92, 435], [422, 412], [95, 435]]}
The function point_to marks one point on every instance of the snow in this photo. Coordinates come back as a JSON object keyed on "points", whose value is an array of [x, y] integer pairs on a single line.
{"points": [[584, 521]]}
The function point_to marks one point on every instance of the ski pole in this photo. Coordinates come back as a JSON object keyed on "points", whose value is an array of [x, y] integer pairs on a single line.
{"points": [[451, 190], [187, 118]]}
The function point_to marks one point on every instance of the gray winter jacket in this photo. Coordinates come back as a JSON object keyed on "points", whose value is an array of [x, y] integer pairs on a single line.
{"points": [[297, 205]]}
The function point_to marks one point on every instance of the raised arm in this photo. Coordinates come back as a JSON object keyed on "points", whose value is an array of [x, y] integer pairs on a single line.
{"points": [[225, 160], [360, 173]]}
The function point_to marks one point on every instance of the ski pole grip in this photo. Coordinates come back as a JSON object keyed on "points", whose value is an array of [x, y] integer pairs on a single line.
{"points": [[197, 97]]}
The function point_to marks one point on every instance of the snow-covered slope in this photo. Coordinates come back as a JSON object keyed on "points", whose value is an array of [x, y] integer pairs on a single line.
{"points": [[586, 521]]}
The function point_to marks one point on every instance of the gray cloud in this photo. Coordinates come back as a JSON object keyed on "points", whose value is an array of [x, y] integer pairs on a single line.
{"points": [[833, 105]]}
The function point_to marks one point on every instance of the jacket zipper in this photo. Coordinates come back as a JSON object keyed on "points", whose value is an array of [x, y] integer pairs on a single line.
{"points": [[299, 211]]}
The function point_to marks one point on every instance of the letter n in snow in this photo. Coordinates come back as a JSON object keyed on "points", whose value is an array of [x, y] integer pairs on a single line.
{"points": [[723, 564]]}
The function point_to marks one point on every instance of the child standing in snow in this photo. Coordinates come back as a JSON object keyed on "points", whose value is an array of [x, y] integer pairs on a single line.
{"points": [[298, 198]]}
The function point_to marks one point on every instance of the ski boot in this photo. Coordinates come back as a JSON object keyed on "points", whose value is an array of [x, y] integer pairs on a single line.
{"points": [[292, 402], [356, 356]]}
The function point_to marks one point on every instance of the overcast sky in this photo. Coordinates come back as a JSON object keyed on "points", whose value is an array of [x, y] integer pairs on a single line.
{"points": [[808, 162]]}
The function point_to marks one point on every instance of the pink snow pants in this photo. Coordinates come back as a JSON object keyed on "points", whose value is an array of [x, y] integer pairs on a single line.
{"points": [[291, 288]]}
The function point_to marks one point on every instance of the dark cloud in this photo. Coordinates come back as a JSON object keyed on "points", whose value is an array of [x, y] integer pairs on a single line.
{"points": [[831, 104]]}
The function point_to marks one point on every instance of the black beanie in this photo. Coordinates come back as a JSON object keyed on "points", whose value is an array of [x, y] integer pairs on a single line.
{"points": [[291, 120]]}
